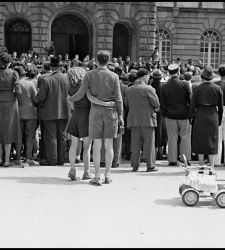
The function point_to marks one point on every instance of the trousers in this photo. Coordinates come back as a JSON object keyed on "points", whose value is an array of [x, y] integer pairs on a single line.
{"points": [[221, 138], [55, 140], [174, 129], [143, 136]]}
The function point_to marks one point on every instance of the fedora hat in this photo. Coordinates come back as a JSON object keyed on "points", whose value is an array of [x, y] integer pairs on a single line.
{"points": [[207, 73], [54, 61], [157, 74]]}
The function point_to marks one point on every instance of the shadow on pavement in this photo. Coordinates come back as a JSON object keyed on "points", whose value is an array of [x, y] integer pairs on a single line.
{"points": [[158, 173], [177, 202], [45, 180]]}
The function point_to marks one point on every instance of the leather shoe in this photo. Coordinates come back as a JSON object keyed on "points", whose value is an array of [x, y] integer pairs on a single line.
{"points": [[45, 163], [172, 163], [108, 180], [135, 169], [115, 165], [102, 164], [151, 170]]}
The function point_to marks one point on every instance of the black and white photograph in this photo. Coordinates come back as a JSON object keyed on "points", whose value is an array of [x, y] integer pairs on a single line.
{"points": [[112, 124]]}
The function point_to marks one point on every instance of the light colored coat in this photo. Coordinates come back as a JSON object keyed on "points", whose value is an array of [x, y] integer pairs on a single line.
{"points": [[142, 101]]}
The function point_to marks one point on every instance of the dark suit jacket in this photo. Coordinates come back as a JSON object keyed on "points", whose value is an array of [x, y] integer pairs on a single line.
{"points": [[52, 96], [175, 98]]}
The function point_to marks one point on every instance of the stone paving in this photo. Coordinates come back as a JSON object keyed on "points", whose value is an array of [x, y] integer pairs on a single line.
{"points": [[41, 207]]}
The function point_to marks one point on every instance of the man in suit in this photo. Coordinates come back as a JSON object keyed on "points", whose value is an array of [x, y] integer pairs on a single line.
{"points": [[54, 113], [142, 102]]}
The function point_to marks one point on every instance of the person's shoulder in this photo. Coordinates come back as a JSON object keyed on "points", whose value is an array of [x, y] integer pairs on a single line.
{"points": [[124, 86], [220, 83], [217, 84], [44, 75], [185, 82], [130, 88]]}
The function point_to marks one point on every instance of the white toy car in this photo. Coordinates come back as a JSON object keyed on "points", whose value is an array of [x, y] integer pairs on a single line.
{"points": [[201, 181]]}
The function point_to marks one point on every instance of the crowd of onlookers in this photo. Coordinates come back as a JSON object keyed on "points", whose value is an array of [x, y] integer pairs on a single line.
{"points": [[174, 102]]}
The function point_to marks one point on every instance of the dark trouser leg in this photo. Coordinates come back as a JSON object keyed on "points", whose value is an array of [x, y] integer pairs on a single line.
{"points": [[136, 143], [19, 144], [42, 143], [148, 135], [30, 129], [128, 144], [61, 141], [50, 140]]}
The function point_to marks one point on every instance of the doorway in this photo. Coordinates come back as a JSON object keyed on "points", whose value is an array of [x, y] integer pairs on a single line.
{"points": [[121, 41], [70, 35]]}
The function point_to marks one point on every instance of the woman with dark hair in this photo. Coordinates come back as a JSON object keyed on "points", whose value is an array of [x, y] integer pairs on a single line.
{"points": [[9, 111], [160, 130], [207, 104]]}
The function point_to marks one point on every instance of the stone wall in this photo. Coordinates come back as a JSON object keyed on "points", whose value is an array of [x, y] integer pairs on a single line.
{"points": [[100, 18]]}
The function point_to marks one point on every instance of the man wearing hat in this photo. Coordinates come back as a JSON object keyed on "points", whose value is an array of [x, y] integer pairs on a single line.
{"points": [[187, 77], [54, 113], [175, 102], [142, 101]]}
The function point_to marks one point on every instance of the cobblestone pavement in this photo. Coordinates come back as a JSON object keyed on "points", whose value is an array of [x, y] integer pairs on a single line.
{"points": [[41, 207]]}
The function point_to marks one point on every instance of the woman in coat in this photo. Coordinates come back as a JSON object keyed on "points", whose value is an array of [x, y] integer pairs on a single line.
{"points": [[160, 130], [207, 104], [9, 111]]}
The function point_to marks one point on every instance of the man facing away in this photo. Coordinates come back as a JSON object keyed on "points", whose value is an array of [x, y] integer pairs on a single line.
{"points": [[175, 100], [54, 113], [142, 101], [103, 121]]}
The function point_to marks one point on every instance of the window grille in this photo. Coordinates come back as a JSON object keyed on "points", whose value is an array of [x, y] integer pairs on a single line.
{"points": [[210, 49]]}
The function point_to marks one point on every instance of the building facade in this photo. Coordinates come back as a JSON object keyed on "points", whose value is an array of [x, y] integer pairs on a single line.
{"points": [[194, 30], [186, 30], [124, 28]]}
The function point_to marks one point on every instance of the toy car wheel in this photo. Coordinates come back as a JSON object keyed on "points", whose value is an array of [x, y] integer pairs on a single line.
{"points": [[220, 199], [182, 188], [190, 197]]}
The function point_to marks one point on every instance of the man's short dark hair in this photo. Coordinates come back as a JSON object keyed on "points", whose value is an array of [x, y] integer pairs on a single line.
{"points": [[221, 70], [47, 65], [103, 57]]}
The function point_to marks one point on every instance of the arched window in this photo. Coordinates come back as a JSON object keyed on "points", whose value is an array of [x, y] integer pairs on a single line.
{"points": [[18, 36], [163, 42], [210, 49]]}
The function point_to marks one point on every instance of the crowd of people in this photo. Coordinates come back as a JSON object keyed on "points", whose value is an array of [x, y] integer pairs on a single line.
{"points": [[54, 109]]}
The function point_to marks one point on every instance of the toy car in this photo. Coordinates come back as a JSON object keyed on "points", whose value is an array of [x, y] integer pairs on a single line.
{"points": [[200, 181]]}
